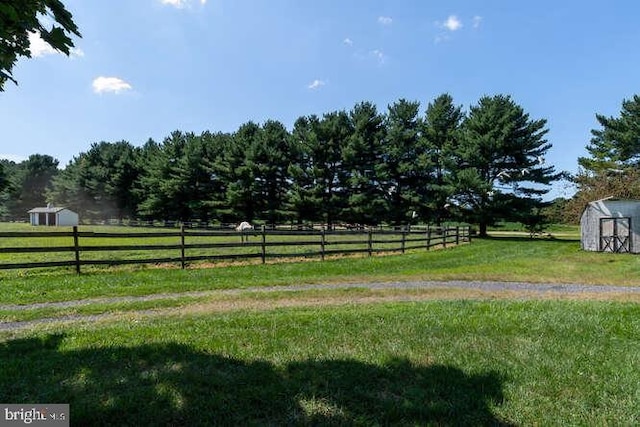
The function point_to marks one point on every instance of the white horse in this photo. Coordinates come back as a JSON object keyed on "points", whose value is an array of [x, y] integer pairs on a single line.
{"points": [[242, 228]]}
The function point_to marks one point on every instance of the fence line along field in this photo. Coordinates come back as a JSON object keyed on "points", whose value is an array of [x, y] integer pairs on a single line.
{"points": [[111, 246]]}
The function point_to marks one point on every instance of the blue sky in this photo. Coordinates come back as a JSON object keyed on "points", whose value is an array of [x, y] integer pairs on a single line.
{"points": [[144, 68]]}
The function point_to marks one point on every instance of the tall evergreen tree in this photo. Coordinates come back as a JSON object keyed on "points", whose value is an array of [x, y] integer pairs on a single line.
{"points": [[143, 188], [405, 175], [215, 146], [178, 180], [240, 174], [66, 190], [319, 177], [105, 177], [441, 134], [269, 156], [305, 195], [363, 161], [501, 172], [616, 144]]}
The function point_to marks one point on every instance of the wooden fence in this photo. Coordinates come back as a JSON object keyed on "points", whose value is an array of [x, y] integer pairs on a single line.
{"points": [[185, 246]]}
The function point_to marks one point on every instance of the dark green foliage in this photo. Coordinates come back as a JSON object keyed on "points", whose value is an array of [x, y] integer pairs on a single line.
{"points": [[406, 168], [441, 136], [269, 157], [617, 144], [101, 182], [320, 177], [363, 161], [4, 180], [501, 159], [9, 173], [216, 203], [18, 18], [555, 211], [305, 199], [178, 181], [31, 181], [359, 167], [239, 173], [4, 184], [329, 165]]}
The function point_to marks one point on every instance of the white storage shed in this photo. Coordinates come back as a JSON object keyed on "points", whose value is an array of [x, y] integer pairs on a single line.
{"points": [[611, 225], [53, 216]]}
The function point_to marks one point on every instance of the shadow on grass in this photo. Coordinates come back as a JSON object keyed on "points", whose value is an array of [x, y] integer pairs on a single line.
{"points": [[174, 384]]}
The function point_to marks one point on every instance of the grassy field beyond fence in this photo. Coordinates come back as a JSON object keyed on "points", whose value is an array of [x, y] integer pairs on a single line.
{"points": [[77, 246]]}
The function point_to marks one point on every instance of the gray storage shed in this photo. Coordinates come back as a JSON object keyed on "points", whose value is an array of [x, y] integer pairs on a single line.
{"points": [[611, 225]]}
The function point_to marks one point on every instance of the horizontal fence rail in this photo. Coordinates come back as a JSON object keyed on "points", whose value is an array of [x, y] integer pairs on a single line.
{"points": [[84, 248]]}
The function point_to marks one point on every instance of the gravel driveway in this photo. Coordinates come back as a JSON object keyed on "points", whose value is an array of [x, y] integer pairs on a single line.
{"points": [[546, 289]]}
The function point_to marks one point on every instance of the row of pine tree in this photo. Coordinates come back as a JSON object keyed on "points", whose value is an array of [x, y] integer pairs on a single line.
{"points": [[360, 166]]}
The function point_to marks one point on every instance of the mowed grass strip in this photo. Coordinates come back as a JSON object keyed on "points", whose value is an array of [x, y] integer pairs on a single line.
{"points": [[415, 363], [497, 259], [21, 317]]}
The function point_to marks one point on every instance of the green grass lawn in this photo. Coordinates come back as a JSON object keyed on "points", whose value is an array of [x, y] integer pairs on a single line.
{"points": [[438, 362], [499, 259]]}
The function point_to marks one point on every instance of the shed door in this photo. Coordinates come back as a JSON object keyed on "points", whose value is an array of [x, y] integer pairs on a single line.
{"points": [[615, 234]]}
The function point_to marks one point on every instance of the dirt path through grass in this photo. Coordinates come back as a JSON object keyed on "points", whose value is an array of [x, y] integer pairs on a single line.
{"points": [[272, 297], [548, 289]]}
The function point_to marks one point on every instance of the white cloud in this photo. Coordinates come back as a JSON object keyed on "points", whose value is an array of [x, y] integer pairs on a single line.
{"points": [[39, 47], [385, 20], [452, 23], [477, 20], [76, 52], [175, 3], [180, 3], [348, 41], [379, 55], [110, 84], [316, 84]]}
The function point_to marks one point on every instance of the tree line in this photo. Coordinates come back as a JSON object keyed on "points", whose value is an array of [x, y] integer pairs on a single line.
{"points": [[360, 166]]}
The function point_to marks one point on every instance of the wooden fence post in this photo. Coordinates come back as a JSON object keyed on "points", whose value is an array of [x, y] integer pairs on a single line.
{"points": [[264, 245], [76, 248], [444, 236], [428, 236], [403, 239], [182, 255], [370, 242], [322, 243], [457, 235]]}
